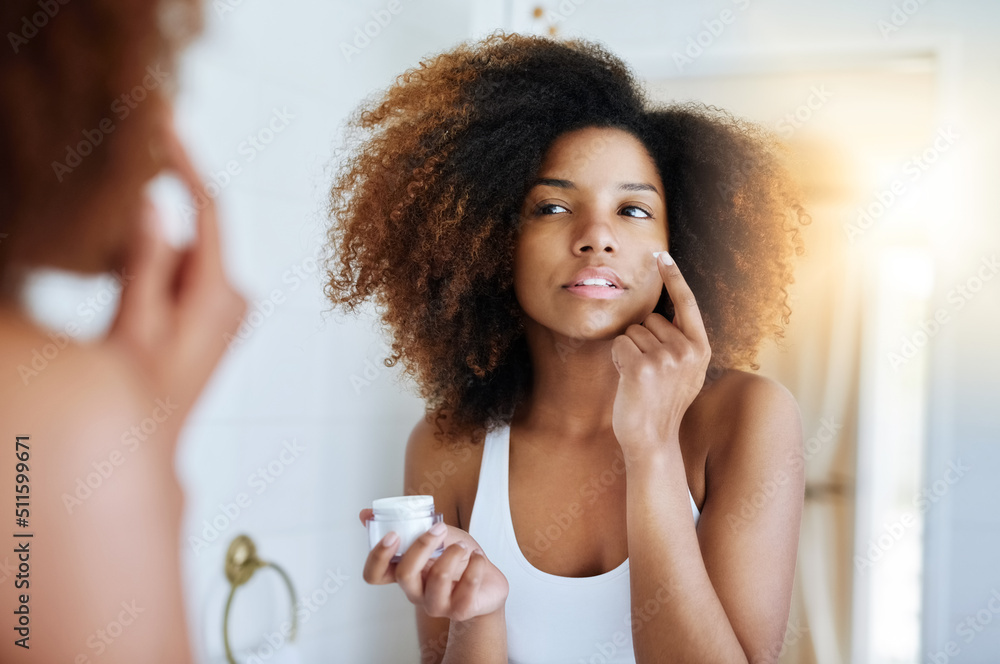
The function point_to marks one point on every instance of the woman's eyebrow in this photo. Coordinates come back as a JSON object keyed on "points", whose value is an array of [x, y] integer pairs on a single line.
{"points": [[568, 184]]}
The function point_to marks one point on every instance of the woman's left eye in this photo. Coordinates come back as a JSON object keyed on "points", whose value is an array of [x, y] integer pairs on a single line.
{"points": [[636, 207], [542, 208]]}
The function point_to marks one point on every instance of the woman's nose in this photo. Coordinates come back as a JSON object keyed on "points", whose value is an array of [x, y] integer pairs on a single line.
{"points": [[595, 235]]}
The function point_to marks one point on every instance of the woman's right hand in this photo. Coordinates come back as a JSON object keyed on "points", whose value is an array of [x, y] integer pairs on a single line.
{"points": [[461, 584]]}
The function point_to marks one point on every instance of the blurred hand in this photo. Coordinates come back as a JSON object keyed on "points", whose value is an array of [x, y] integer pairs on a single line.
{"points": [[460, 584], [178, 305]]}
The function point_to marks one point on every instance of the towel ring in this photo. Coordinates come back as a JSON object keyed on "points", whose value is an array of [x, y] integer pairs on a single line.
{"points": [[241, 563]]}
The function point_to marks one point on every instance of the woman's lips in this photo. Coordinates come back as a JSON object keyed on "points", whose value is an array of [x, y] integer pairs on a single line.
{"points": [[595, 292]]}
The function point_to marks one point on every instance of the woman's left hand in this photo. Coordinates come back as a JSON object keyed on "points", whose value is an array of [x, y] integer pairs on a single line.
{"points": [[661, 367]]}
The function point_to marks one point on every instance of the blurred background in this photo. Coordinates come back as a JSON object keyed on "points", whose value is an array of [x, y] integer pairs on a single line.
{"points": [[890, 109]]}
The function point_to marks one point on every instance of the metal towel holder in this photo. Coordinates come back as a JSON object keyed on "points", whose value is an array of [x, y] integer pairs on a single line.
{"points": [[241, 563]]}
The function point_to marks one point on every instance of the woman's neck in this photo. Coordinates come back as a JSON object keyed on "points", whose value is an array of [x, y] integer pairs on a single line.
{"points": [[573, 388]]}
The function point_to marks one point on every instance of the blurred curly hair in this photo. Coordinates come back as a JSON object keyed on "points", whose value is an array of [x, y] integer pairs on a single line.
{"points": [[425, 207], [63, 65]]}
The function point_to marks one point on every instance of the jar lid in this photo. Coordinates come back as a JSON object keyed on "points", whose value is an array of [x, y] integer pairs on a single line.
{"points": [[403, 506]]}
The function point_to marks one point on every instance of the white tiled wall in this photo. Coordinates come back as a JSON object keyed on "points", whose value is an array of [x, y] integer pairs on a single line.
{"points": [[288, 386]]}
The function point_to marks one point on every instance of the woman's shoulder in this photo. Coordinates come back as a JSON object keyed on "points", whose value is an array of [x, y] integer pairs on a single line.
{"points": [[740, 386], [83, 399], [52, 372], [737, 404], [443, 462]]}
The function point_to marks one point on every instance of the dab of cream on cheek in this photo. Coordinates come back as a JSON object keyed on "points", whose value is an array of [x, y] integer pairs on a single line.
{"points": [[666, 257], [407, 516]]}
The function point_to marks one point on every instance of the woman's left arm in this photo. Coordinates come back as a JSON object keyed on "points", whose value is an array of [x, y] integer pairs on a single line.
{"points": [[720, 593]]}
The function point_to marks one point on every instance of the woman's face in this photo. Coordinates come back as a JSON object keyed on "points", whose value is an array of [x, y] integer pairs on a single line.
{"points": [[597, 203]]}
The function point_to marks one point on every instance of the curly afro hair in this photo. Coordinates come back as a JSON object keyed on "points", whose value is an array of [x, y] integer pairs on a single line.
{"points": [[425, 211]]}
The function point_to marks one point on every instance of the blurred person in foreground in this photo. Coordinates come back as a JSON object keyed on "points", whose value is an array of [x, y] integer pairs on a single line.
{"points": [[90, 564]]}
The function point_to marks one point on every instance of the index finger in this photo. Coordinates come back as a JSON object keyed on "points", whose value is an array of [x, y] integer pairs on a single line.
{"points": [[176, 158], [687, 315]]}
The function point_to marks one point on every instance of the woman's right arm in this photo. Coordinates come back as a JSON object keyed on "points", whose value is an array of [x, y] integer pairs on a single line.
{"points": [[460, 596]]}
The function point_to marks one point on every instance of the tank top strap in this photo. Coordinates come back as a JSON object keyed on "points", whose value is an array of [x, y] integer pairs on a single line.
{"points": [[486, 509]]}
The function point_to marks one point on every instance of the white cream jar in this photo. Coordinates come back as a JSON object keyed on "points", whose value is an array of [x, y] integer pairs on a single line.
{"points": [[407, 516]]}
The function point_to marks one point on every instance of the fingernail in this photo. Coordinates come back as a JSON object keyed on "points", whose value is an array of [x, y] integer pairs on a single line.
{"points": [[664, 257], [440, 528], [465, 547], [390, 539]]}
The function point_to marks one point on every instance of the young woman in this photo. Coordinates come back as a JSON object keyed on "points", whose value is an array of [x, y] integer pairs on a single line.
{"points": [[90, 569], [616, 487]]}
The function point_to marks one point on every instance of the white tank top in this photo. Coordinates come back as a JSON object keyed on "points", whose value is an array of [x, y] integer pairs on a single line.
{"points": [[550, 618]]}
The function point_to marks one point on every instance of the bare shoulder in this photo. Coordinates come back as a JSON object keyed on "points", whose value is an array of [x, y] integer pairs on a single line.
{"points": [[51, 367], [744, 389], [446, 468], [752, 415]]}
